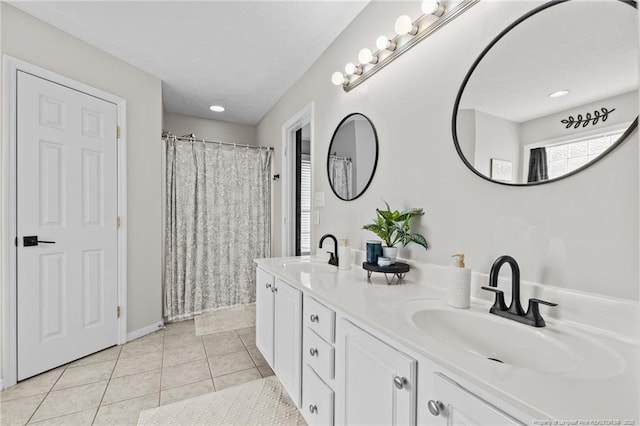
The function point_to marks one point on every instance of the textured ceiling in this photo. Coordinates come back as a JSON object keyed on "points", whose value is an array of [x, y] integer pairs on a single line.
{"points": [[243, 55]]}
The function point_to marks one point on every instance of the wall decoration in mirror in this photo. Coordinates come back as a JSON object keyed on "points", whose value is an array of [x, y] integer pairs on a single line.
{"points": [[352, 157], [551, 94]]}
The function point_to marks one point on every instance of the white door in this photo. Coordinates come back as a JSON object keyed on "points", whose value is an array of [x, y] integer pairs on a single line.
{"points": [[376, 384], [287, 347], [264, 314], [67, 199]]}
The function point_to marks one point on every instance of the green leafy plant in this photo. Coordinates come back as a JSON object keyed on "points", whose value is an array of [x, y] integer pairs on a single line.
{"points": [[393, 227]]}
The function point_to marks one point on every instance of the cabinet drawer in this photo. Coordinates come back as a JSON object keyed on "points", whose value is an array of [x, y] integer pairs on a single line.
{"points": [[317, 399], [319, 354], [320, 319]]}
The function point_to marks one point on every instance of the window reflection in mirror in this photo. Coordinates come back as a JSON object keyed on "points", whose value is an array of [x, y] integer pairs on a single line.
{"points": [[551, 94]]}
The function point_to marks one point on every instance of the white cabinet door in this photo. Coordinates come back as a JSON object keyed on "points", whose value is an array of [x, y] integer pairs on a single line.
{"points": [[287, 362], [67, 290], [376, 384], [264, 314], [454, 405]]}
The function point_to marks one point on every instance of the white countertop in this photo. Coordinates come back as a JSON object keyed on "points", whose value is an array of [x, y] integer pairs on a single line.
{"points": [[612, 394]]}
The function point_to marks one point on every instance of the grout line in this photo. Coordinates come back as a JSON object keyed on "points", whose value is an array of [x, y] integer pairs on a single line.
{"points": [[48, 392], [107, 386]]}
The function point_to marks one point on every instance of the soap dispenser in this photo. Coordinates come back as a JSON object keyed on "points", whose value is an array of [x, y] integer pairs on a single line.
{"points": [[344, 254], [459, 288]]}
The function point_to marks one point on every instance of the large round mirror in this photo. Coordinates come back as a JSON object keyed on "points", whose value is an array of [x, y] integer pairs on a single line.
{"points": [[552, 94], [353, 155]]}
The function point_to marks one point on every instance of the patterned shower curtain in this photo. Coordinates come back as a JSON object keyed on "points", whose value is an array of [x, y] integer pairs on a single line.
{"points": [[340, 175], [218, 219]]}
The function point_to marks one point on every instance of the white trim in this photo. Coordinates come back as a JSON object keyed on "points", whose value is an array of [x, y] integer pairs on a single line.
{"points": [[300, 119], [8, 199], [145, 330]]}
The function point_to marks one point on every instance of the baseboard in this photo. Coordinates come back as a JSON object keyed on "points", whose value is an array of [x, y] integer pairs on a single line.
{"points": [[145, 330]]}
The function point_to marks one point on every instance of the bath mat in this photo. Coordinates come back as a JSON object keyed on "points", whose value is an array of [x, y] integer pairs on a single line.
{"points": [[226, 319], [261, 402]]}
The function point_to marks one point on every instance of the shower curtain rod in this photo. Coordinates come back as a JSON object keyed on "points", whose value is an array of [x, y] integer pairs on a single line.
{"points": [[191, 137], [337, 157]]}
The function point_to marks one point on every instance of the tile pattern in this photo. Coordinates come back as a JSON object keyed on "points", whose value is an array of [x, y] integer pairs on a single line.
{"points": [[114, 385]]}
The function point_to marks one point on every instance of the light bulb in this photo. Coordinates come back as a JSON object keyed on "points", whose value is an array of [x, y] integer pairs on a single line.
{"points": [[350, 68], [337, 78], [216, 108], [366, 57], [432, 7], [383, 43], [404, 25]]}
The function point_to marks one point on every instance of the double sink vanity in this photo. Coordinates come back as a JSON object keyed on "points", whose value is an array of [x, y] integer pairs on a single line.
{"points": [[354, 352]]}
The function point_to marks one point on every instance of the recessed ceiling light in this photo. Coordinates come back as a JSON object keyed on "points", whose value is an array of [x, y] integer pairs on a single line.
{"points": [[216, 108], [559, 93]]}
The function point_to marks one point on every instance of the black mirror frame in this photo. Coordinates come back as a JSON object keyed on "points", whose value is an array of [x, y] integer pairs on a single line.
{"points": [[375, 163], [632, 127]]}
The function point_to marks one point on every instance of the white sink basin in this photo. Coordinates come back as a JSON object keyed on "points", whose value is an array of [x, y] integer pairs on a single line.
{"points": [[310, 266], [495, 340], [551, 349]]}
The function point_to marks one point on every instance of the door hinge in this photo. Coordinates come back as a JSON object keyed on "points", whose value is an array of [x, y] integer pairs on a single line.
{"points": [[117, 132], [118, 222], [118, 312]]}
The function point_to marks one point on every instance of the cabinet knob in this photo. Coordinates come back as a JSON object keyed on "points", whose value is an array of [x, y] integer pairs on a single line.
{"points": [[268, 286], [313, 351], [274, 290], [400, 382], [435, 407], [313, 408], [314, 318]]}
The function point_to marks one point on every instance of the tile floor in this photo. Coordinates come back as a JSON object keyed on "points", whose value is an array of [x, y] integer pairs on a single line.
{"points": [[112, 387]]}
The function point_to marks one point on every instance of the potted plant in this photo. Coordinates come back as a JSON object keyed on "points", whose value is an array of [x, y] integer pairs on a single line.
{"points": [[393, 227]]}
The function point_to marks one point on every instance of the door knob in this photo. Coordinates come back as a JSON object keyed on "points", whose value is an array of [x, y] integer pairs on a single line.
{"points": [[33, 240], [435, 407], [399, 382]]}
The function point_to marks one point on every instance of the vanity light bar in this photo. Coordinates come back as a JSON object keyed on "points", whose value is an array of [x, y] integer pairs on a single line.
{"points": [[409, 34]]}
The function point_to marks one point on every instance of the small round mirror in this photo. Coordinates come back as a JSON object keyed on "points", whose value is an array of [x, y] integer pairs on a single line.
{"points": [[353, 156], [552, 94]]}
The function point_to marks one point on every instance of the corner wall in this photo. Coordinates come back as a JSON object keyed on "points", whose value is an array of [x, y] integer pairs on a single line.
{"points": [[31, 40], [217, 130], [579, 233]]}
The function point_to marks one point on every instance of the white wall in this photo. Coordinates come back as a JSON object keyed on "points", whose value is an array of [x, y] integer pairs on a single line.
{"points": [[550, 127], [31, 40], [497, 138], [217, 130], [580, 233]]}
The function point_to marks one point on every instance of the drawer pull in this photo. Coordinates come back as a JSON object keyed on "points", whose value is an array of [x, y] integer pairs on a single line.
{"points": [[313, 351], [435, 407], [400, 382], [313, 408], [314, 318]]}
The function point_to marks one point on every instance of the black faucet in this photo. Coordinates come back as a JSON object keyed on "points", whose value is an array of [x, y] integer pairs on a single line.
{"points": [[333, 259], [514, 311]]}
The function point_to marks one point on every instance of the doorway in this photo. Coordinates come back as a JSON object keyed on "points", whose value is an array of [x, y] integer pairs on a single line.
{"points": [[297, 184], [303, 191]]}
